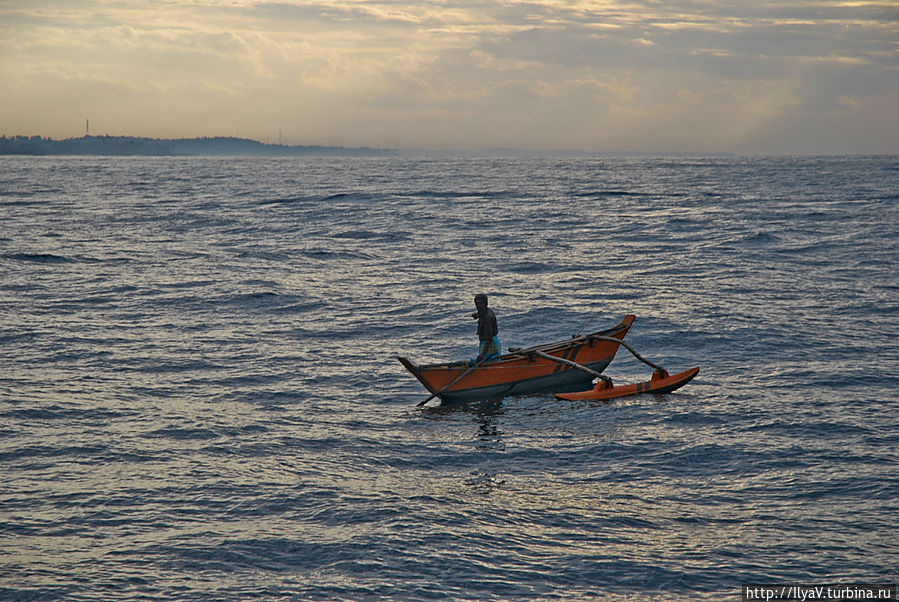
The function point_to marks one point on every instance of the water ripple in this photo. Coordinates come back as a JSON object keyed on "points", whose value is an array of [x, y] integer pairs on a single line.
{"points": [[200, 397]]}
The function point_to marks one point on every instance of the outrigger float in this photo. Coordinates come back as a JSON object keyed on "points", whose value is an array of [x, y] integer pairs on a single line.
{"points": [[563, 368]]}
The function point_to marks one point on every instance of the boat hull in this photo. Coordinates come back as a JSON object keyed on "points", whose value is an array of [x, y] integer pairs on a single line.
{"points": [[522, 372]]}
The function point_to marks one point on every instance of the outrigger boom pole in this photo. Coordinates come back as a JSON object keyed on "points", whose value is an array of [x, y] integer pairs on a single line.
{"points": [[629, 348], [583, 368], [575, 365]]}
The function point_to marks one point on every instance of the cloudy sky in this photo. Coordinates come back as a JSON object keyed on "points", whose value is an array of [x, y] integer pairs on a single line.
{"points": [[745, 76]]}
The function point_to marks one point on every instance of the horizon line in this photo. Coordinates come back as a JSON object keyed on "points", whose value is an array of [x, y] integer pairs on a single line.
{"points": [[537, 151]]}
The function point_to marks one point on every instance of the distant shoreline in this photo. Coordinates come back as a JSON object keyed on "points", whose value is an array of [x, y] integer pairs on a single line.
{"points": [[232, 146], [118, 146]]}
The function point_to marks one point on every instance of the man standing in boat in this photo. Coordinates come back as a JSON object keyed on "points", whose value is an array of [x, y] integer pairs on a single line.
{"points": [[490, 348]]}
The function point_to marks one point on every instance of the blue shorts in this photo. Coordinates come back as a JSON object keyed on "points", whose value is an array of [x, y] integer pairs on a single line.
{"points": [[491, 349]]}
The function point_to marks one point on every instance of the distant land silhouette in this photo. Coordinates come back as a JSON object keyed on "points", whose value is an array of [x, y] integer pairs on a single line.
{"points": [[131, 145]]}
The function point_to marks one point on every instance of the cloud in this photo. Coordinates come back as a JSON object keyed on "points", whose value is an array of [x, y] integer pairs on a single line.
{"points": [[640, 75]]}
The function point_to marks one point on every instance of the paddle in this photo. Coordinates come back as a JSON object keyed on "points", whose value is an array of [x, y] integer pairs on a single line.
{"points": [[451, 383]]}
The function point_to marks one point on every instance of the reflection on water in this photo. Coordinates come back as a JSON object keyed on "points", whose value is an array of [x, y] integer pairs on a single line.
{"points": [[199, 397]]}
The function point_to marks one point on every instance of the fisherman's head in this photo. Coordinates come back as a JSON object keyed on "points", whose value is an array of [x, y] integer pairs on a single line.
{"points": [[480, 301]]}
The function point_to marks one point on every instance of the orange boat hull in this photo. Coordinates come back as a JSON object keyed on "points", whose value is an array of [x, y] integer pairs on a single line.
{"points": [[522, 373], [658, 384]]}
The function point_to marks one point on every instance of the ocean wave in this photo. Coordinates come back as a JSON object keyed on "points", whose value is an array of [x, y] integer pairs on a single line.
{"points": [[222, 414]]}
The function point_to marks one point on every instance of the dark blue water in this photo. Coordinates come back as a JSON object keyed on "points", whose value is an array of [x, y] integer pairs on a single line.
{"points": [[199, 397]]}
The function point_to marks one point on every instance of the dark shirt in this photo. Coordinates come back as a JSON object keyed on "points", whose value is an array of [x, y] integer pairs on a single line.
{"points": [[487, 328]]}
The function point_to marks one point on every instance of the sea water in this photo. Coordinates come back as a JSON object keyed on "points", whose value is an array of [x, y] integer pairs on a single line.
{"points": [[200, 398]]}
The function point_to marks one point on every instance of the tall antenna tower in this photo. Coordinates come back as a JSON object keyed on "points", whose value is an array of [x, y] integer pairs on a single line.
{"points": [[87, 127], [280, 139]]}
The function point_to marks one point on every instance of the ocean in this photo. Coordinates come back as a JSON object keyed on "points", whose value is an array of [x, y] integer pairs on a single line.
{"points": [[200, 397]]}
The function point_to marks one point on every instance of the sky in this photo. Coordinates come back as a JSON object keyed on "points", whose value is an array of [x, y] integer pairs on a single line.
{"points": [[740, 76]]}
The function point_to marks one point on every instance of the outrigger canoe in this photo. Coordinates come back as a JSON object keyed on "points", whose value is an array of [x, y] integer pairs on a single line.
{"points": [[524, 371]]}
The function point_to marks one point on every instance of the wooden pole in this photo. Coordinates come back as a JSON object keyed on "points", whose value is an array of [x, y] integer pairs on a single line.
{"points": [[451, 383]]}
